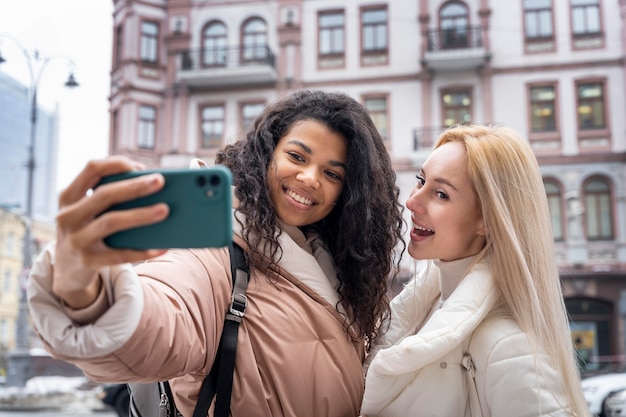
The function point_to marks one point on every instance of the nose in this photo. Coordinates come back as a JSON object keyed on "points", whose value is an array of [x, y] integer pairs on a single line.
{"points": [[415, 201], [308, 177]]}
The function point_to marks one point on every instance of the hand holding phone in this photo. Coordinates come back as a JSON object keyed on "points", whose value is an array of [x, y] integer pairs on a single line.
{"points": [[200, 204]]}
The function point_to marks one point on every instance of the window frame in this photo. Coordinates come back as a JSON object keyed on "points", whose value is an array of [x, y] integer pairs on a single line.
{"points": [[587, 39], [374, 56], [149, 43], [146, 127], [219, 52], [548, 141], [558, 217], [453, 90], [594, 138], [246, 123], [539, 43], [254, 40], [600, 215], [118, 46], [334, 58], [386, 136], [460, 32], [213, 142]]}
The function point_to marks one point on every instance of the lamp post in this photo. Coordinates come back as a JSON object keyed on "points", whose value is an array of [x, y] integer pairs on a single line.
{"points": [[19, 359]]}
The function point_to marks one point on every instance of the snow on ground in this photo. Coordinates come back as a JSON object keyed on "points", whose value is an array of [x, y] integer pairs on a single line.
{"points": [[53, 392]]}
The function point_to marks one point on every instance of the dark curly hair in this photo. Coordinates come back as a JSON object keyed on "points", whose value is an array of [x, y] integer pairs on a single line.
{"points": [[365, 228]]}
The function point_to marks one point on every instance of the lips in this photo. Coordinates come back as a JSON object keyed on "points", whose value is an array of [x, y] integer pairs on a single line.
{"points": [[299, 198], [422, 231]]}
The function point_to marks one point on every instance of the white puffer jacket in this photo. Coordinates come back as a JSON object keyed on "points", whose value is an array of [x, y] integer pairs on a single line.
{"points": [[420, 374]]}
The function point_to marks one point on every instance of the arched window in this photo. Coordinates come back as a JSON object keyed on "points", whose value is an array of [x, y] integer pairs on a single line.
{"points": [[214, 44], [254, 40], [598, 209], [553, 193], [454, 24]]}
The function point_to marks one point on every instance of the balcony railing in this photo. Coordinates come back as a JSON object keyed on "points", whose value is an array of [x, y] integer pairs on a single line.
{"points": [[462, 37], [227, 65], [424, 137], [228, 57], [455, 49]]}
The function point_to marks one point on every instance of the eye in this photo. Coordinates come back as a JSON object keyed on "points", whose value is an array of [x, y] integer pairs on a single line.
{"points": [[420, 181], [441, 195], [295, 156], [333, 175]]}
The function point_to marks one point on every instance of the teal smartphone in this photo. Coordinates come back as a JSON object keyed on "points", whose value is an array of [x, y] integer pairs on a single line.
{"points": [[200, 203]]}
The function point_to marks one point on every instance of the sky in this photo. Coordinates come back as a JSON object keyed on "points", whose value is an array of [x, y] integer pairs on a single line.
{"points": [[79, 31]]}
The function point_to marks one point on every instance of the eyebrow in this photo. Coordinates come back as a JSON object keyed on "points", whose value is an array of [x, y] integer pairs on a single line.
{"points": [[440, 180], [308, 150]]}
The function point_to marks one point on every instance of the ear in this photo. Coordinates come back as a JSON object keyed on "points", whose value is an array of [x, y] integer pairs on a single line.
{"points": [[482, 229]]}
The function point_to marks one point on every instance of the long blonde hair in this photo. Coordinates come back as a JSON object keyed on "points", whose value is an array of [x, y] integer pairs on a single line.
{"points": [[520, 245]]}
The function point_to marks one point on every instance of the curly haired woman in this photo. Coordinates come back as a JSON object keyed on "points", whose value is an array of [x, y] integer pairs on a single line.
{"points": [[319, 218]]}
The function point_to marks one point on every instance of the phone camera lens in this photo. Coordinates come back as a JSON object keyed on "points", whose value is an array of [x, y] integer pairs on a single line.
{"points": [[214, 180], [200, 181]]}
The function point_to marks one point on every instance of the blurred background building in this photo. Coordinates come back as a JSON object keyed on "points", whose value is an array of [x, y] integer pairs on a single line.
{"points": [[189, 77], [14, 146], [15, 107]]}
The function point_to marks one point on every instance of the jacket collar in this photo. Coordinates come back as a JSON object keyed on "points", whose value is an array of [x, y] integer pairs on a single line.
{"points": [[446, 329]]}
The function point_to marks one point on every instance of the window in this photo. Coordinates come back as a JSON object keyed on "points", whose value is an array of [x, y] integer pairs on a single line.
{"points": [[590, 105], [454, 24], [254, 40], [538, 20], [212, 126], [214, 44], [585, 17], [249, 112], [456, 107], [374, 43], [10, 243], [117, 52], [598, 213], [553, 193], [377, 107], [149, 41], [4, 332], [147, 127], [7, 281], [331, 48], [542, 109]]}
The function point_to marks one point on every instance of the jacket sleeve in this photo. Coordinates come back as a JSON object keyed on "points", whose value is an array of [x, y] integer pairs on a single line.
{"points": [[513, 380], [161, 318]]}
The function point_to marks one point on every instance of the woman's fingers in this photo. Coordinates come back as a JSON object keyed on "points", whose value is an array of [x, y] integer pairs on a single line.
{"points": [[88, 208], [117, 220], [92, 173]]}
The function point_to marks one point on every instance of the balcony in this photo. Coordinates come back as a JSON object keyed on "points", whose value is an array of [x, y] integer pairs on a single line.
{"points": [[424, 138], [455, 49], [230, 66]]}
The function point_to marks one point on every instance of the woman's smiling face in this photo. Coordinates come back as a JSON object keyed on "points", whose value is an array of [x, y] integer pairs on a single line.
{"points": [[447, 222], [306, 174]]}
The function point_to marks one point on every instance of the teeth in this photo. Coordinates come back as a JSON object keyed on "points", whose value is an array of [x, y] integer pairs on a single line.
{"points": [[299, 198], [422, 228]]}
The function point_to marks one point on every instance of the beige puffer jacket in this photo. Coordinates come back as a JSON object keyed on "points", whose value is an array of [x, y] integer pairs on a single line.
{"points": [[161, 321]]}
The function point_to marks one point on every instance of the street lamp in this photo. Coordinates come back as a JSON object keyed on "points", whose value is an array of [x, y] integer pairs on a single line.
{"points": [[19, 359]]}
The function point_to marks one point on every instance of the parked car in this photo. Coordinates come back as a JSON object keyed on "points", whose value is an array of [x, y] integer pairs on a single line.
{"points": [[117, 397], [598, 388], [615, 404]]}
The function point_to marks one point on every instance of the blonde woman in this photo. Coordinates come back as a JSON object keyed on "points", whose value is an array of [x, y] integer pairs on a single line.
{"points": [[484, 330]]}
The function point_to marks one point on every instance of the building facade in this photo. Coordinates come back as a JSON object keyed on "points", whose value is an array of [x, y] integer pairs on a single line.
{"points": [[12, 272], [15, 136], [189, 76], [15, 125]]}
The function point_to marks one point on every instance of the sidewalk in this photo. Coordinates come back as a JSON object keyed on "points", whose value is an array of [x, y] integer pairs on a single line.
{"points": [[52, 393]]}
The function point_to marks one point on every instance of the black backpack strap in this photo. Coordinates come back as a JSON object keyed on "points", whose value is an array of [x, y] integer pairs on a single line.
{"points": [[219, 382]]}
